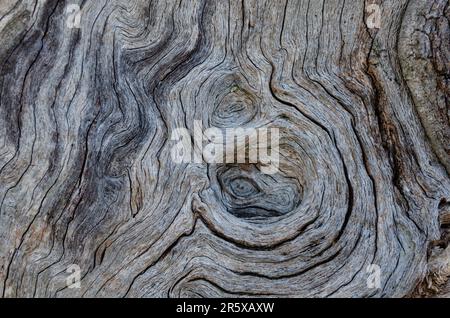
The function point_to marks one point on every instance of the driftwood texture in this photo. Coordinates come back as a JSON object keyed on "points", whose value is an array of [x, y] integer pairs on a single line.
{"points": [[86, 177]]}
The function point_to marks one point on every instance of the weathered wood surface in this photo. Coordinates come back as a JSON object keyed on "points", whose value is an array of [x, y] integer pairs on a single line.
{"points": [[86, 176]]}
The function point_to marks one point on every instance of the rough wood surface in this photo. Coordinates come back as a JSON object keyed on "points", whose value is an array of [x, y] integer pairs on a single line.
{"points": [[86, 176]]}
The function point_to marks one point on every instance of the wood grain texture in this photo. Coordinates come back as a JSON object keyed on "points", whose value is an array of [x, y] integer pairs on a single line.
{"points": [[86, 175]]}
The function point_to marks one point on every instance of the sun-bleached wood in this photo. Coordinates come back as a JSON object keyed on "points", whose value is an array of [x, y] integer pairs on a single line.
{"points": [[86, 176]]}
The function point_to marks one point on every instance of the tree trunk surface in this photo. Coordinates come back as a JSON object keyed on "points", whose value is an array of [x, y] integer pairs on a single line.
{"points": [[91, 92]]}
